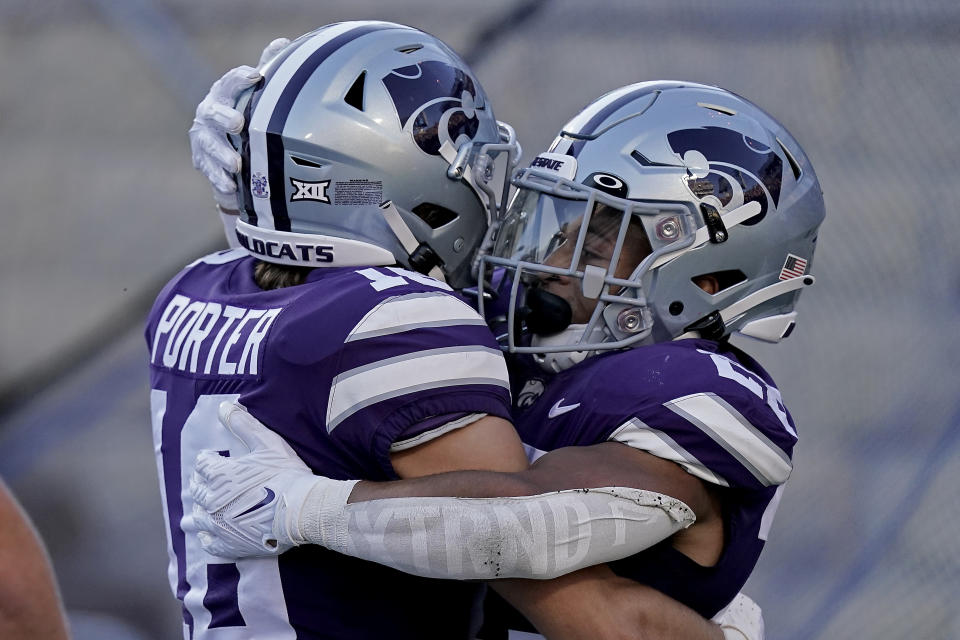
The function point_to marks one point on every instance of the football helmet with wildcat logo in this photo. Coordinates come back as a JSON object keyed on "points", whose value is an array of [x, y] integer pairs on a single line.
{"points": [[651, 191], [370, 143]]}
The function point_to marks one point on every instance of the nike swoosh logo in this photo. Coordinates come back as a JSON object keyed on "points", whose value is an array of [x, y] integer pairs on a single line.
{"points": [[559, 410], [266, 500]]}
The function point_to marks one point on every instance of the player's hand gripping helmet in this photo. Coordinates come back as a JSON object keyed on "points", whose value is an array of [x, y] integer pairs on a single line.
{"points": [[370, 143], [650, 191]]}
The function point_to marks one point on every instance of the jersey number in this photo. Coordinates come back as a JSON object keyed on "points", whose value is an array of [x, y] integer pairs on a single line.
{"points": [[213, 591], [771, 395], [382, 281]]}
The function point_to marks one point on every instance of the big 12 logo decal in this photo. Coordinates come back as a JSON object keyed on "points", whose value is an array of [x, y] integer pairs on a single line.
{"points": [[435, 102], [742, 169]]}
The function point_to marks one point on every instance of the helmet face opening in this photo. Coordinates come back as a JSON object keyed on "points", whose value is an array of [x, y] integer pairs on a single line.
{"points": [[589, 248], [555, 222]]}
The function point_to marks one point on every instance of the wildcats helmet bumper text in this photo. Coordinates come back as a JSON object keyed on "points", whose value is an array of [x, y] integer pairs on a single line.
{"points": [[309, 250]]}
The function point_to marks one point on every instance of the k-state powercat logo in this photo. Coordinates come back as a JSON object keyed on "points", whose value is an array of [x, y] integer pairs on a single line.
{"points": [[435, 102], [738, 165], [531, 391]]}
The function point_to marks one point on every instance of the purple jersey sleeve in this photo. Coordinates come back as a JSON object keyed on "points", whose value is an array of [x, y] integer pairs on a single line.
{"points": [[369, 365], [712, 410], [431, 428], [720, 420]]}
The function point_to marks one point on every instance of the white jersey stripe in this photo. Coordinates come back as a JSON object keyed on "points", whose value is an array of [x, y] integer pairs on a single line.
{"points": [[158, 408], [261, 599], [414, 311], [433, 434], [766, 521], [637, 434], [724, 424], [260, 117], [450, 366], [259, 592]]}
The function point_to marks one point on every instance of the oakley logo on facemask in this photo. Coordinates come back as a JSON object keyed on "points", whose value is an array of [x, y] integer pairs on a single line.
{"points": [[436, 103], [733, 157]]}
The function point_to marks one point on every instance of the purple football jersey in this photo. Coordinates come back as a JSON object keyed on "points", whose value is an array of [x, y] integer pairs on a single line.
{"points": [[708, 407], [348, 366]]}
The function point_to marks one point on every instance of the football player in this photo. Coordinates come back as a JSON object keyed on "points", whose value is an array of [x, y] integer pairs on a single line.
{"points": [[626, 201], [367, 162], [665, 217]]}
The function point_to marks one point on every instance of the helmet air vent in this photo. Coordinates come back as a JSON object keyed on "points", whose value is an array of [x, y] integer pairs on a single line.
{"points": [[646, 162], [303, 162], [354, 96], [434, 215], [790, 328], [715, 107], [725, 279], [793, 161], [410, 48]]}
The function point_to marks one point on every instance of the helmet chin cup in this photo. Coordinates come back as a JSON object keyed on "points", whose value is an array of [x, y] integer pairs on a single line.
{"points": [[545, 313], [557, 361]]}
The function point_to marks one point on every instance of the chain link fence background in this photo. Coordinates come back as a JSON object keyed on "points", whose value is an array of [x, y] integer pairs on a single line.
{"points": [[101, 206]]}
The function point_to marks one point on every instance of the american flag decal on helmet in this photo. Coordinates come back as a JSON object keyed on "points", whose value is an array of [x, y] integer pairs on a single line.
{"points": [[793, 267]]}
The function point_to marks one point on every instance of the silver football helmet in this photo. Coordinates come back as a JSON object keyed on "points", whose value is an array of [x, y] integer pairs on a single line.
{"points": [[370, 143], [662, 210]]}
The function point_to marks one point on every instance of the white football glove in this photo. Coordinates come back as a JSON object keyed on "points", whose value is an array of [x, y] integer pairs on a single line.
{"points": [[213, 155], [249, 505], [742, 619]]}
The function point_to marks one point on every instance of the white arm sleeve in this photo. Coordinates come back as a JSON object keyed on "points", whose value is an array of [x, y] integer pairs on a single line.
{"points": [[542, 536]]}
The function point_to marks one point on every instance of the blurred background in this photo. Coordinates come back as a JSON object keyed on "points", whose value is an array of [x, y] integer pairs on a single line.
{"points": [[101, 206]]}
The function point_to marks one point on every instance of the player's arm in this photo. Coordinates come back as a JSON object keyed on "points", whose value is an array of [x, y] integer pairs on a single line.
{"points": [[490, 443], [29, 602], [531, 524], [600, 465], [609, 464], [616, 464], [594, 603]]}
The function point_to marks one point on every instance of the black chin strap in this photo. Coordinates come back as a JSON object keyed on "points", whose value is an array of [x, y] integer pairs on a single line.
{"points": [[710, 327], [424, 259], [545, 313]]}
